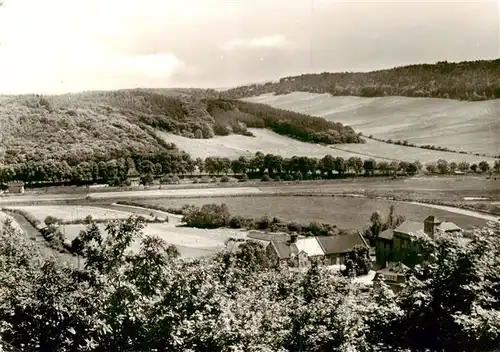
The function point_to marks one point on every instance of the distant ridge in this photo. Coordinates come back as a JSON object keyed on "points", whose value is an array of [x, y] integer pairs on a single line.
{"points": [[466, 80]]}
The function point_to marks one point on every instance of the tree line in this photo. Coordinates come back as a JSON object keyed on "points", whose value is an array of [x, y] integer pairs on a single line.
{"points": [[239, 300], [113, 171], [444, 167], [466, 80], [265, 166]]}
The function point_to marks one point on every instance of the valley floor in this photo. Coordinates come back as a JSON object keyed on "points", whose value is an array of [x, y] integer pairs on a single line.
{"points": [[347, 204]]}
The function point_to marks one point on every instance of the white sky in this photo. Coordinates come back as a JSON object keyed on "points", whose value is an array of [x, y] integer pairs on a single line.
{"points": [[55, 46]]}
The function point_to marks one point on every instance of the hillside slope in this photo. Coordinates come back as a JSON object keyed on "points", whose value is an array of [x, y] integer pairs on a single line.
{"points": [[462, 126], [100, 126], [468, 80], [234, 146]]}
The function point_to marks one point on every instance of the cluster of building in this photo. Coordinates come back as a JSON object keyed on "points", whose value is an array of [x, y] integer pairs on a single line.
{"points": [[301, 252], [395, 251]]}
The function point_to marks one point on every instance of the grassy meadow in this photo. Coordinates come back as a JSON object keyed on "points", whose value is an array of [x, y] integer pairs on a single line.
{"points": [[345, 212]]}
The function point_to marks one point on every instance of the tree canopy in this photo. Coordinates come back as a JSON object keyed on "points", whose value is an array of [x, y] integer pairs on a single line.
{"points": [[237, 301]]}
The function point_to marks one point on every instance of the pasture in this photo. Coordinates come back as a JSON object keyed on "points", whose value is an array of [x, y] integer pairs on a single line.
{"points": [[73, 212], [345, 212], [467, 126], [190, 242], [266, 141]]}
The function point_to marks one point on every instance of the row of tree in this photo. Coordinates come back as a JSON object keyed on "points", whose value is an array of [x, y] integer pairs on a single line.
{"points": [[115, 170], [444, 167], [328, 165], [151, 300]]}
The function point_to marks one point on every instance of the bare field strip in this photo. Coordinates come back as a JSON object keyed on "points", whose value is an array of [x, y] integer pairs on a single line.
{"points": [[458, 125], [201, 192], [73, 212], [433, 187]]}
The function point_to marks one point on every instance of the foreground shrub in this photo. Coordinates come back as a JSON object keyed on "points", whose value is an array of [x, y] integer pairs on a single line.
{"points": [[224, 179], [237, 300]]}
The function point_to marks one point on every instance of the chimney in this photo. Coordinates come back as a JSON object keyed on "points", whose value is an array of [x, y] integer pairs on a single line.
{"points": [[430, 226]]}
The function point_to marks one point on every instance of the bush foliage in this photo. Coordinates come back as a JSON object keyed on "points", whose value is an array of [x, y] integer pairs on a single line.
{"points": [[238, 301]]}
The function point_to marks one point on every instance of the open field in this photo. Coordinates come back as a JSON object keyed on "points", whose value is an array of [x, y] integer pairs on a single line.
{"points": [[233, 146], [420, 187], [380, 150], [345, 212], [74, 212], [190, 242], [266, 141], [458, 125]]}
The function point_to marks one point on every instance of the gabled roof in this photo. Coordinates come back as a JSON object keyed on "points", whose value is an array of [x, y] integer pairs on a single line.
{"points": [[132, 172], [411, 228], [283, 249], [448, 227], [341, 243], [309, 245], [387, 234]]}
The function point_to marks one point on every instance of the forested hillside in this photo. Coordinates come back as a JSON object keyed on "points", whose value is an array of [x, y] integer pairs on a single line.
{"points": [[468, 80], [101, 126]]}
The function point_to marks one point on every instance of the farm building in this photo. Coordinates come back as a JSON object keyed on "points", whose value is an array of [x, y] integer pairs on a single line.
{"points": [[398, 246], [15, 187], [336, 247], [302, 252], [133, 177]]}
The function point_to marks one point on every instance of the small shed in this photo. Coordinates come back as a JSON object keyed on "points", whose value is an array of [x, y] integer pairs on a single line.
{"points": [[133, 177], [15, 187]]}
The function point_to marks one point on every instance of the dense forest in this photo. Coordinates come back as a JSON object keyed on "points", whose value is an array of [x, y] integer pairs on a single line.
{"points": [[468, 80], [102, 126], [238, 300]]}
